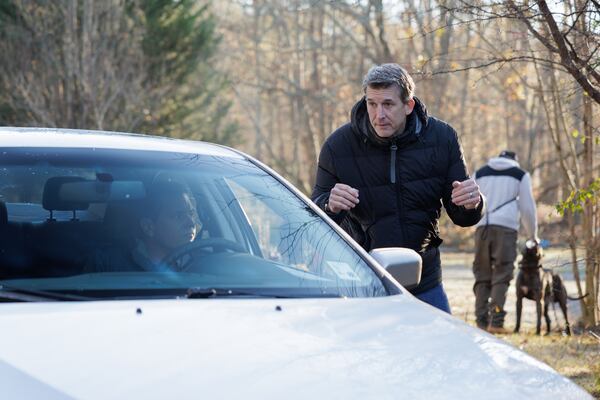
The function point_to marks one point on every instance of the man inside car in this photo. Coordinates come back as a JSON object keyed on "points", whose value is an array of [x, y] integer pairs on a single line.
{"points": [[165, 221]]}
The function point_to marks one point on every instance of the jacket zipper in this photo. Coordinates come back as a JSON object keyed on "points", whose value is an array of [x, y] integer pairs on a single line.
{"points": [[393, 149], [399, 200]]}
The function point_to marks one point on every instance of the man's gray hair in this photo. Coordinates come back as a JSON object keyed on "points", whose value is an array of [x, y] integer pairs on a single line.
{"points": [[386, 75]]}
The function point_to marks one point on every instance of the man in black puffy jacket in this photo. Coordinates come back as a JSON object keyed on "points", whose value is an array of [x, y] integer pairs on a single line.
{"points": [[385, 175]]}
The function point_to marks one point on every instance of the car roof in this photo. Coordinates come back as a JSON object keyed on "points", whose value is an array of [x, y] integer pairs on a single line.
{"points": [[82, 138]]}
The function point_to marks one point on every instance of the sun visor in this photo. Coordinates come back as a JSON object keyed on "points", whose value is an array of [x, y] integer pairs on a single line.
{"points": [[101, 192]]}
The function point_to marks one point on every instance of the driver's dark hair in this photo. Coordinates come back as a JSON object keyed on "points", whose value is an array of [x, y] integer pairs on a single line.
{"points": [[159, 193]]}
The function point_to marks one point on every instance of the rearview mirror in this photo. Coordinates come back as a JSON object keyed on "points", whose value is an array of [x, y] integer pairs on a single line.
{"points": [[94, 191], [403, 264]]}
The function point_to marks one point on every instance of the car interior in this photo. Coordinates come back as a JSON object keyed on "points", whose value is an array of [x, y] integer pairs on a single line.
{"points": [[57, 213], [77, 217]]}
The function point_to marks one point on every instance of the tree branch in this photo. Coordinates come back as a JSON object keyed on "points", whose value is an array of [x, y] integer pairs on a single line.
{"points": [[565, 56], [526, 20], [497, 61]]}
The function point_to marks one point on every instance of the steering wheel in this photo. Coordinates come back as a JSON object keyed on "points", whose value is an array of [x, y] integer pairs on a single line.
{"points": [[218, 244]]}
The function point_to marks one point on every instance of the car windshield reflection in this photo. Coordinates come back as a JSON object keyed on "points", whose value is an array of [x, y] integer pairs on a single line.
{"points": [[100, 223]]}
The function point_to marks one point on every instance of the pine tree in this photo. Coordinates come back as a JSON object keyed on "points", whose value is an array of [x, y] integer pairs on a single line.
{"points": [[142, 66]]}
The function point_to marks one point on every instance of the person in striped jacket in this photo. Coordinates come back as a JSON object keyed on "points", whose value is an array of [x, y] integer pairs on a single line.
{"points": [[507, 188]]}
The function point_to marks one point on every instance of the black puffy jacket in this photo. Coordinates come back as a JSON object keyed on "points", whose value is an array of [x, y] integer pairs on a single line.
{"points": [[402, 183]]}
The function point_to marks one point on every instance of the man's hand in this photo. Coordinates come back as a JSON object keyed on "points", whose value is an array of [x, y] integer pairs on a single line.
{"points": [[342, 197], [466, 194]]}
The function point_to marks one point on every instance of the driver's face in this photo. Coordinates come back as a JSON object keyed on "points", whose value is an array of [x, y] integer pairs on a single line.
{"points": [[176, 223]]}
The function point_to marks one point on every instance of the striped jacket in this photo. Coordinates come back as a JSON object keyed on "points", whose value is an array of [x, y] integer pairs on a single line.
{"points": [[507, 189]]}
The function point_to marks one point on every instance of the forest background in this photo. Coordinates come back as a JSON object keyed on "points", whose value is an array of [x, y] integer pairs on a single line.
{"points": [[275, 77]]}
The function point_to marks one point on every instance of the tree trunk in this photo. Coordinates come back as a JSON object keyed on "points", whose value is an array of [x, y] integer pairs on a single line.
{"points": [[258, 140], [591, 259]]}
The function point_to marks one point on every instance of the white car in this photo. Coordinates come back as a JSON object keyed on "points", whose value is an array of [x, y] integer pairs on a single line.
{"points": [[268, 299]]}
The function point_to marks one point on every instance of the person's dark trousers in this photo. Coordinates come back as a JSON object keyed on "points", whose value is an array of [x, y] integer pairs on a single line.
{"points": [[493, 267], [436, 297]]}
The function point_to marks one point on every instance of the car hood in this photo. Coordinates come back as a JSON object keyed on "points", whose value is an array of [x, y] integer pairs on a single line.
{"points": [[380, 348]]}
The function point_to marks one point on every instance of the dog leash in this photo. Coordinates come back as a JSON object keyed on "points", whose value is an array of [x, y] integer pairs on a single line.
{"points": [[487, 215]]}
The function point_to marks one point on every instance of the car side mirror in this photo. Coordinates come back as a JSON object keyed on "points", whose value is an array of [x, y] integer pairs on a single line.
{"points": [[403, 264]]}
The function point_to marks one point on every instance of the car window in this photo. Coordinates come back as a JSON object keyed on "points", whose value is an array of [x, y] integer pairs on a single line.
{"points": [[123, 223]]}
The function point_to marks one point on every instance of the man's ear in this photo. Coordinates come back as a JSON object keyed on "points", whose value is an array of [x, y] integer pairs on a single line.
{"points": [[147, 227], [409, 106]]}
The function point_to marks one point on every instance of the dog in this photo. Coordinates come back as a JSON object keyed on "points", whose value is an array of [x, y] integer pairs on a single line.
{"points": [[540, 285]]}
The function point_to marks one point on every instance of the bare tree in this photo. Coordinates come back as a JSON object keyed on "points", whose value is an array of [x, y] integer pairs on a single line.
{"points": [[117, 64], [73, 64], [567, 45], [568, 34]]}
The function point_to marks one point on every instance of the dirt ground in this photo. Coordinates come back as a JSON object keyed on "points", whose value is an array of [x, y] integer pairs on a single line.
{"points": [[577, 357]]}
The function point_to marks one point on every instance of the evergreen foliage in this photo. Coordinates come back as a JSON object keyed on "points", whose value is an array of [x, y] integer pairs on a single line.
{"points": [[142, 66]]}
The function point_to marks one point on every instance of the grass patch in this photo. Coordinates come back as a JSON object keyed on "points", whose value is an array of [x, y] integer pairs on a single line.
{"points": [[576, 357]]}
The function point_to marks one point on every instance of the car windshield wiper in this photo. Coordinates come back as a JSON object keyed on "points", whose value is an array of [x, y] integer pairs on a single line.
{"points": [[22, 294], [205, 293]]}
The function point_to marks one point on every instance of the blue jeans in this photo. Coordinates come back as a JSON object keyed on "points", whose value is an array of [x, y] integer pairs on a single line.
{"points": [[436, 297]]}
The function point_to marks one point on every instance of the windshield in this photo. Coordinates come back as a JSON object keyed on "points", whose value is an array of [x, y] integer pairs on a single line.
{"points": [[102, 223]]}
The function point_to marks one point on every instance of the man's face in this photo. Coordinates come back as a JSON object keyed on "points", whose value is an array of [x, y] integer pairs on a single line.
{"points": [[176, 223], [387, 112]]}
